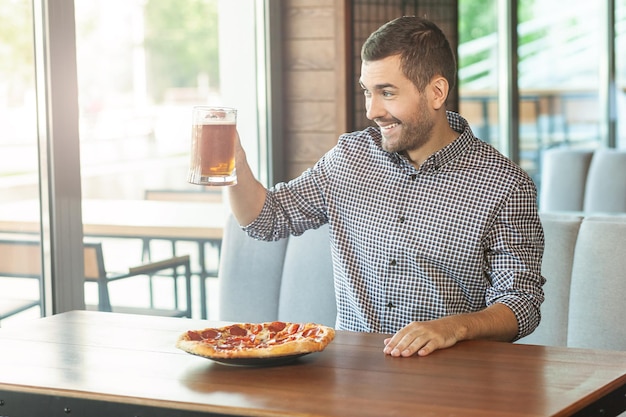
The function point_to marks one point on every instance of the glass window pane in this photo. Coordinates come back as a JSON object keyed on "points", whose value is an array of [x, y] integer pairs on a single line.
{"points": [[478, 67], [19, 181], [558, 77], [142, 65]]}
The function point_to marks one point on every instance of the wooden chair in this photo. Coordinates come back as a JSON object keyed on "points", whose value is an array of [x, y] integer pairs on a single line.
{"points": [[22, 259], [95, 271]]}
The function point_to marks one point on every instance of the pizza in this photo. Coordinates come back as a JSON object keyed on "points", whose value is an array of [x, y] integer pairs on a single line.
{"points": [[256, 340]]}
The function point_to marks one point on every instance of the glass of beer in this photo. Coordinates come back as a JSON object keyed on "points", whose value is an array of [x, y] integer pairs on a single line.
{"points": [[213, 135]]}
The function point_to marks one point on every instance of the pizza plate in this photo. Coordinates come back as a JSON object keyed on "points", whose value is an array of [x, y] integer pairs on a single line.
{"points": [[258, 362]]}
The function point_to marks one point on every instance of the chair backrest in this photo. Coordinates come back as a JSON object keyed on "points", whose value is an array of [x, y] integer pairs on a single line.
{"points": [[290, 279], [561, 232], [20, 258], [563, 179], [250, 274], [599, 274], [94, 261], [307, 291], [605, 191]]}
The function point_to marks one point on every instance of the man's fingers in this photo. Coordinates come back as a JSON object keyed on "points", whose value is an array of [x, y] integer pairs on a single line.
{"points": [[407, 345]]}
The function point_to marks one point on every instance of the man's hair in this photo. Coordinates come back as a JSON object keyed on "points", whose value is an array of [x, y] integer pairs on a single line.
{"points": [[423, 48]]}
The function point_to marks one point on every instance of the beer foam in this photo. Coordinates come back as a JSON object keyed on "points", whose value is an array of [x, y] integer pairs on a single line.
{"points": [[214, 121], [216, 116]]}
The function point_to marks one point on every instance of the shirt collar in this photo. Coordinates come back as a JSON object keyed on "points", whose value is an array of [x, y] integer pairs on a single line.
{"points": [[450, 152]]}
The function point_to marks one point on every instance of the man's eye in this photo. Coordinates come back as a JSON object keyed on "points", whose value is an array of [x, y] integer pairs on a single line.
{"points": [[387, 93]]}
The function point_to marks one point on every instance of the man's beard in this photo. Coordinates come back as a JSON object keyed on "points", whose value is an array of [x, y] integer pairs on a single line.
{"points": [[414, 133]]}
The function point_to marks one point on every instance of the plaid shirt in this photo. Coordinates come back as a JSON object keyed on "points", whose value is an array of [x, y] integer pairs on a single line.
{"points": [[454, 236]]}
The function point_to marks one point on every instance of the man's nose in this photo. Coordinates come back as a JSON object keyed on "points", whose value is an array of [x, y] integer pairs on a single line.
{"points": [[373, 108]]}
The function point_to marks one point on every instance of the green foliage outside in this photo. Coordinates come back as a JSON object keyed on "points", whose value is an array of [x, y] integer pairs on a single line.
{"points": [[479, 19], [16, 51], [181, 42]]}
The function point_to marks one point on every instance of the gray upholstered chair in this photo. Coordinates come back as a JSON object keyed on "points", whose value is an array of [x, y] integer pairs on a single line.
{"points": [[307, 291], [290, 279], [597, 307], [605, 191], [563, 179], [560, 233]]}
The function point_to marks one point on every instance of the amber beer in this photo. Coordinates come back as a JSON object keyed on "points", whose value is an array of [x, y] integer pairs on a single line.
{"points": [[213, 146], [216, 146]]}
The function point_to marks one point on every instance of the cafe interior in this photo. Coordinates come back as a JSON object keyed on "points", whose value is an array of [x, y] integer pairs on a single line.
{"points": [[97, 216]]}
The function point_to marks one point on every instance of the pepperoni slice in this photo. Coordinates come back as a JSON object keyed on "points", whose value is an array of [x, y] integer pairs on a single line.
{"points": [[210, 334], [277, 326], [237, 331], [295, 328], [191, 335]]}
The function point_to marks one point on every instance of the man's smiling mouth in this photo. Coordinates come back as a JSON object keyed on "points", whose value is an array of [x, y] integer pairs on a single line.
{"points": [[389, 127]]}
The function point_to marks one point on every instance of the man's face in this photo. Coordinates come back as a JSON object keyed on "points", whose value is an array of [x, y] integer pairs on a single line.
{"points": [[393, 102]]}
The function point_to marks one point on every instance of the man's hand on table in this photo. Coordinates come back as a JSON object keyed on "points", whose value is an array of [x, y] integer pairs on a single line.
{"points": [[496, 322], [421, 337]]}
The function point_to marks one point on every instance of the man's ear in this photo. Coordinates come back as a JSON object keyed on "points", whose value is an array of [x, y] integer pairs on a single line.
{"points": [[439, 89]]}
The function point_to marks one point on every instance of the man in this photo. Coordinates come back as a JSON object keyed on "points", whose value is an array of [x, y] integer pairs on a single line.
{"points": [[435, 235]]}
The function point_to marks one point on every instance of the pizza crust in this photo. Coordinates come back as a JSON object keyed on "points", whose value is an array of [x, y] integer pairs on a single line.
{"points": [[258, 342]]}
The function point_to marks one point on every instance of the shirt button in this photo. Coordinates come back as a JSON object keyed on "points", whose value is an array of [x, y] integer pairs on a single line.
{"points": [[401, 219], [392, 262], [413, 177], [390, 305]]}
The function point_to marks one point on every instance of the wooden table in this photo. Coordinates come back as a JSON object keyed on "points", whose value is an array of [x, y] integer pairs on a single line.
{"points": [[104, 364], [127, 218], [199, 222]]}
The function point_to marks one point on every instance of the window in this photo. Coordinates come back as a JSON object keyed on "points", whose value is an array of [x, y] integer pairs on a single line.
{"points": [[141, 66]]}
